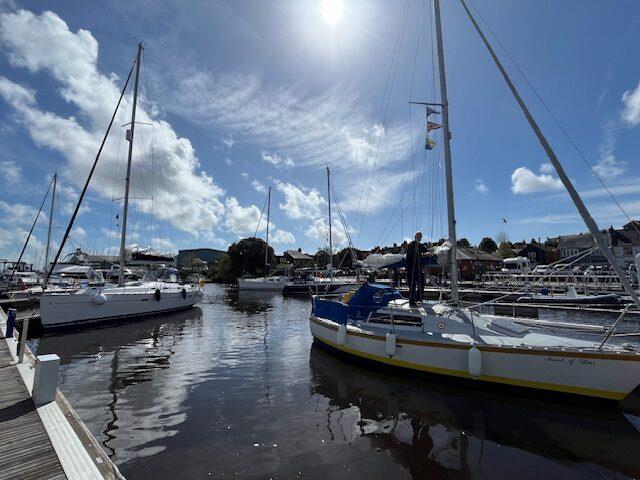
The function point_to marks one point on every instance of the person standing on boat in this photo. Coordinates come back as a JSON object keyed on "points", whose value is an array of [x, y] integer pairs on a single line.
{"points": [[414, 269]]}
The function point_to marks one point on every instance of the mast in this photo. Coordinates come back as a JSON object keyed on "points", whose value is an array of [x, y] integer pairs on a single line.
{"points": [[582, 209], [266, 248], [453, 252], [125, 209], [53, 199], [330, 234]]}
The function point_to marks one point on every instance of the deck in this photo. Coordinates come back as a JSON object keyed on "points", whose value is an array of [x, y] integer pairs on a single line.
{"points": [[26, 450]]}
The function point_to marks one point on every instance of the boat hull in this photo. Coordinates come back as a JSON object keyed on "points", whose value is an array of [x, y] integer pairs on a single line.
{"points": [[593, 374], [274, 285], [65, 310]]}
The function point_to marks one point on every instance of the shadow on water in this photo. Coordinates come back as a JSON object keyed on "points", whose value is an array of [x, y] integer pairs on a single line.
{"points": [[437, 430]]}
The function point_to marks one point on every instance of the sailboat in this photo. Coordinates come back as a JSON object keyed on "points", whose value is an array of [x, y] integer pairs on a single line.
{"points": [[153, 295], [273, 283], [377, 324]]}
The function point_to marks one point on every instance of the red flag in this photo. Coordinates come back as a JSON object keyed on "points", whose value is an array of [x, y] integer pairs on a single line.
{"points": [[433, 126]]}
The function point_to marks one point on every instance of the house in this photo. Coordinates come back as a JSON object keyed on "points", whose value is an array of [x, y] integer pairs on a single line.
{"points": [[537, 253], [298, 259], [571, 246], [473, 262], [625, 243], [195, 257]]}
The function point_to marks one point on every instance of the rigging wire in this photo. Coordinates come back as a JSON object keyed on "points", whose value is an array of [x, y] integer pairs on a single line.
{"points": [[554, 118]]}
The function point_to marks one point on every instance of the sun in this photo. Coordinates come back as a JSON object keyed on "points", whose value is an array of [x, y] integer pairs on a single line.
{"points": [[332, 11]]}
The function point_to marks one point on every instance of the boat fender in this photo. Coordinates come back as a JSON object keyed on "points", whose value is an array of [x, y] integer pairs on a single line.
{"points": [[100, 299], [157, 294], [184, 294], [475, 361], [342, 335], [390, 344]]}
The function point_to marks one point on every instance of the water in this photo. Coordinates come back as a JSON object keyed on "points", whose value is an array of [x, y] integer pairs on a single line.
{"points": [[235, 389]]}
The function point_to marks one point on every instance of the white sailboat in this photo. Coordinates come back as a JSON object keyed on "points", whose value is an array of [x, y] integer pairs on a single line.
{"points": [[127, 300], [273, 283], [375, 323]]}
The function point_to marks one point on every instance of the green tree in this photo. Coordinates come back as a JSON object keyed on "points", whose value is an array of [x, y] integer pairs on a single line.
{"points": [[463, 242], [505, 248], [247, 257], [222, 270], [488, 245]]}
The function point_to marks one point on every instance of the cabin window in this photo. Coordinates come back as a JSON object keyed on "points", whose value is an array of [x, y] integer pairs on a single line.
{"points": [[627, 251]]}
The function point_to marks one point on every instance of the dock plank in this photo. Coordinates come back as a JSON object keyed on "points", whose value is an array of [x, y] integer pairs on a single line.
{"points": [[26, 451]]}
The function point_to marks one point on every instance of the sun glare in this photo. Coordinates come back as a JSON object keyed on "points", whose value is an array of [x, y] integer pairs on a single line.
{"points": [[332, 11]]}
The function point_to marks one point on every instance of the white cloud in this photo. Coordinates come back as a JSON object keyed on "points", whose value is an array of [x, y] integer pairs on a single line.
{"points": [[228, 141], [319, 230], [163, 244], [524, 180], [19, 214], [610, 168], [258, 187], [547, 168], [334, 127], [241, 220], [10, 172], [276, 160], [300, 203], [373, 194], [282, 236], [44, 43], [480, 187], [78, 233], [631, 101]]}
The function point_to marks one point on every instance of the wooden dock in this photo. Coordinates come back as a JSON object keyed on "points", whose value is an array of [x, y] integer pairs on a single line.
{"points": [[26, 450], [47, 441]]}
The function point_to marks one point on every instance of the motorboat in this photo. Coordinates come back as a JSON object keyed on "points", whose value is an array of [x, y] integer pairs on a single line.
{"points": [[268, 284], [133, 299], [570, 296]]}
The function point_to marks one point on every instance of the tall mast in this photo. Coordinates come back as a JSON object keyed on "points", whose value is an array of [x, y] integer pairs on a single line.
{"points": [[123, 237], [330, 234], [453, 252], [53, 199], [266, 248], [601, 242]]}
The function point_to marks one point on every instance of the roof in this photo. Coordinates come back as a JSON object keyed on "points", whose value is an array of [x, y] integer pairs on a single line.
{"points": [[296, 255], [466, 253], [582, 240]]}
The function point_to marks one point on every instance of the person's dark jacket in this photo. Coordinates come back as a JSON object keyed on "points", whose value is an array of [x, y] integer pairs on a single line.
{"points": [[414, 252]]}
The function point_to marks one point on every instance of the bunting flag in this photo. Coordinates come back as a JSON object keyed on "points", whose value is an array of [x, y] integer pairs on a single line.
{"points": [[429, 144], [431, 111], [433, 126]]}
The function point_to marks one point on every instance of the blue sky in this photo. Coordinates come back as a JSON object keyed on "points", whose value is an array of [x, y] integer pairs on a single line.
{"points": [[245, 95]]}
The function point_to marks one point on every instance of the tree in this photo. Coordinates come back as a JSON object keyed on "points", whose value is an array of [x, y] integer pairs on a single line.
{"points": [[505, 249], [222, 270], [247, 257], [463, 242], [344, 259], [488, 245]]}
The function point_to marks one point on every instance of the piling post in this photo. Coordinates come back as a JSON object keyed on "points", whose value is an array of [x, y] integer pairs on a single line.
{"points": [[23, 339], [45, 380]]}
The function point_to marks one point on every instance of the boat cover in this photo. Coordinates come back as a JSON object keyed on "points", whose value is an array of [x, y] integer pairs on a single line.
{"points": [[368, 298]]}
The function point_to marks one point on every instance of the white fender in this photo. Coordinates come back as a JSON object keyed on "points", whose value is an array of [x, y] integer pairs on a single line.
{"points": [[342, 335], [390, 344], [638, 267], [475, 361], [571, 292], [100, 299]]}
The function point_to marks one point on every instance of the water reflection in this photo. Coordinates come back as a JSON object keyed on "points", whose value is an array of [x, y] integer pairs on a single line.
{"points": [[113, 363], [441, 431]]}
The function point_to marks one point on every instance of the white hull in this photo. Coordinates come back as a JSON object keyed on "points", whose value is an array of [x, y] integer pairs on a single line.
{"points": [[67, 309], [610, 375], [269, 284]]}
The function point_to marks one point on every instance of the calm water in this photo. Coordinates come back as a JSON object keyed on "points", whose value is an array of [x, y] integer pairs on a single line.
{"points": [[235, 389]]}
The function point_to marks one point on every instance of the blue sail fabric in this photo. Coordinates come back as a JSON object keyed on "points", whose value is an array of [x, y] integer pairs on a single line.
{"points": [[367, 299]]}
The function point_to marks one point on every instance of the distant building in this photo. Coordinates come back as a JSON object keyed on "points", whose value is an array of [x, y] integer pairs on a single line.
{"points": [[625, 243], [195, 256], [538, 253], [298, 259], [571, 246], [473, 262]]}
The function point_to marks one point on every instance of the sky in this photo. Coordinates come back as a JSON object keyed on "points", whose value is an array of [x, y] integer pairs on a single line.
{"points": [[239, 96]]}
